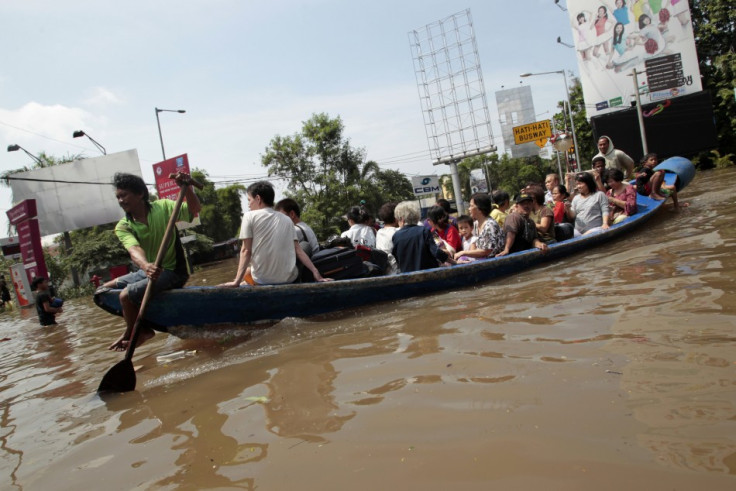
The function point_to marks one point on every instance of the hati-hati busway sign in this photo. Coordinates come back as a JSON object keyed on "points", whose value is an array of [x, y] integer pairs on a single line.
{"points": [[423, 185], [538, 132]]}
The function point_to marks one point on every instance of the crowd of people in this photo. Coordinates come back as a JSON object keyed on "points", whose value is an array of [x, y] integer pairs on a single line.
{"points": [[277, 247]]}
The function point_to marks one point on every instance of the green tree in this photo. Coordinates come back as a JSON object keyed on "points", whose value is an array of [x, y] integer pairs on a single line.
{"points": [[221, 208], [714, 26], [504, 172], [94, 248], [326, 174], [583, 131], [58, 270]]}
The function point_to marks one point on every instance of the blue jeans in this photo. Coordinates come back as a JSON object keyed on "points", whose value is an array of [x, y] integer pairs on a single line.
{"points": [[137, 282]]}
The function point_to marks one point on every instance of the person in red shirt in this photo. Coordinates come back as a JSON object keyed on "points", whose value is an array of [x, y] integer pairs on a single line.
{"points": [[441, 227]]}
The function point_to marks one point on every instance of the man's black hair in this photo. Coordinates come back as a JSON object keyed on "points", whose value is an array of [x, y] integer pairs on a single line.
{"points": [[37, 281], [288, 205], [132, 183], [264, 189]]}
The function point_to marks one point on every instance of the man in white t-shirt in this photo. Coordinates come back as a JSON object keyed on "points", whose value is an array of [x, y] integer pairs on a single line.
{"points": [[270, 246]]}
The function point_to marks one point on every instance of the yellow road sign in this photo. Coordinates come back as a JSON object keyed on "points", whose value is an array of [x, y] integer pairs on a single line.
{"points": [[538, 132]]}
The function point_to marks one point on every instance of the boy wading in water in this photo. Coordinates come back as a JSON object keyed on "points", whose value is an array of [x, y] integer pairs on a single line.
{"points": [[141, 233], [46, 306]]}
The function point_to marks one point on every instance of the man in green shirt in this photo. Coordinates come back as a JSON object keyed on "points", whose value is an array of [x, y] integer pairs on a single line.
{"points": [[141, 233]]}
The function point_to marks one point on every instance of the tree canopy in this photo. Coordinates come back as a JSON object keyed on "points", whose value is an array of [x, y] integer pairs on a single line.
{"points": [[504, 172], [326, 175], [221, 208], [714, 26]]}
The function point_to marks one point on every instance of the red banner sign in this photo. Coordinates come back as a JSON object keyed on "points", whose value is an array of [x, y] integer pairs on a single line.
{"points": [[167, 188], [22, 211]]}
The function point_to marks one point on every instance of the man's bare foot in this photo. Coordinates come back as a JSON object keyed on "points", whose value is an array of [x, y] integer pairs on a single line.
{"points": [[121, 344], [657, 197]]}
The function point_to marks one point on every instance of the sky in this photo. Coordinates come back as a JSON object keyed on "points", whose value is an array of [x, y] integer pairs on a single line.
{"points": [[246, 71]]}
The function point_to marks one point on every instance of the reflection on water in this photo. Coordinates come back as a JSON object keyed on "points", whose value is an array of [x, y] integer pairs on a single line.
{"points": [[616, 363]]}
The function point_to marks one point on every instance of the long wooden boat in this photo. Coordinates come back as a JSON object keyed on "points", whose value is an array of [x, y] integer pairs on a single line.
{"points": [[209, 308]]}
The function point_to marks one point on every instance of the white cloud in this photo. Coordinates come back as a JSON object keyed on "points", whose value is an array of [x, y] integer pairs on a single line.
{"points": [[101, 98], [53, 123]]}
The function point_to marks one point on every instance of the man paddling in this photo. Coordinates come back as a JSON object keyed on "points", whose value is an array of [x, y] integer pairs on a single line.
{"points": [[141, 233]]}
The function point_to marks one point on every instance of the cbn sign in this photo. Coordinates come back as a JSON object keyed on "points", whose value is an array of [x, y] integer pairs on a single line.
{"points": [[425, 185], [538, 132]]}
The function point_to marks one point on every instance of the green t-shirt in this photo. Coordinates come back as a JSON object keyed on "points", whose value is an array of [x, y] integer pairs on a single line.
{"points": [[149, 237]]}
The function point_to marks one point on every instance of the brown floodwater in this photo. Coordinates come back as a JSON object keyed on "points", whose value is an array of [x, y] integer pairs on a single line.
{"points": [[611, 369]]}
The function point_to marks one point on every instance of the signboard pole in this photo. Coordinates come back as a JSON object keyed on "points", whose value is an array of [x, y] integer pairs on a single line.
{"points": [[559, 165], [572, 123], [23, 216], [644, 147]]}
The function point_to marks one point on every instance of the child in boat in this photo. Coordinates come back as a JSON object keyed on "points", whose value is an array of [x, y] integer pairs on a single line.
{"points": [[501, 203], [47, 306], [651, 183], [560, 195], [465, 226]]}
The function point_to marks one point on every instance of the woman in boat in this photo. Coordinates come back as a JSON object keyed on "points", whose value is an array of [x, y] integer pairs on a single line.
{"points": [[560, 196], [491, 239], [501, 205], [384, 236], [621, 197], [360, 232], [414, 246], [589, 207], [542, 215], [447, 234]]}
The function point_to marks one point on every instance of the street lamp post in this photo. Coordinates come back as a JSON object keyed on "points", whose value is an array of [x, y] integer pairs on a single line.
{"points": [[569, 107], [80, 133], [158, 122], [16, 147]]}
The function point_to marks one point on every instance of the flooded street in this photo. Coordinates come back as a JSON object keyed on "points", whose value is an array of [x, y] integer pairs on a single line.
{"points": [[613, 369]]}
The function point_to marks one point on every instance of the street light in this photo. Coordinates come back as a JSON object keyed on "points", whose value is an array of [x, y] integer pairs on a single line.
{"points": [[569, 109], [560, 41], [80, 133], [557, 2], [16, 147], [182, 111]]}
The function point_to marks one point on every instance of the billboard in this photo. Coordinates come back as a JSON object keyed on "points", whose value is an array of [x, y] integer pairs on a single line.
{"points": [[75, 195], [683, 126], [615, 38], [424, 185]]}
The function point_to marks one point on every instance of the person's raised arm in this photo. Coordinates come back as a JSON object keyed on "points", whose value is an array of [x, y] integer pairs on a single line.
{"points": [[182, 178]]}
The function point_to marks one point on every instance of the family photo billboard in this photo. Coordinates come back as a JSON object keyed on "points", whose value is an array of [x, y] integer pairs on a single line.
{"points": [[613, 38]]}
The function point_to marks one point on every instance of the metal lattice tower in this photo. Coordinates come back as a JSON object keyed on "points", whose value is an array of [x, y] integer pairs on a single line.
{"points": [[451, 88]]}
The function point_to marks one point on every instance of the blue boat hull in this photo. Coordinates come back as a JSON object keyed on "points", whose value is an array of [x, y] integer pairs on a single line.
{"points": [[246, 307]]}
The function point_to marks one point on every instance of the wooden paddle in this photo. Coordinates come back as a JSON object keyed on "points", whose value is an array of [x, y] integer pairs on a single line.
{"points": [[121, 377]]}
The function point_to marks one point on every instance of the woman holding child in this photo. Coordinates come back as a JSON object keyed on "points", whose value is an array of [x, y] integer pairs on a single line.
{"points": [[490, 239]]}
